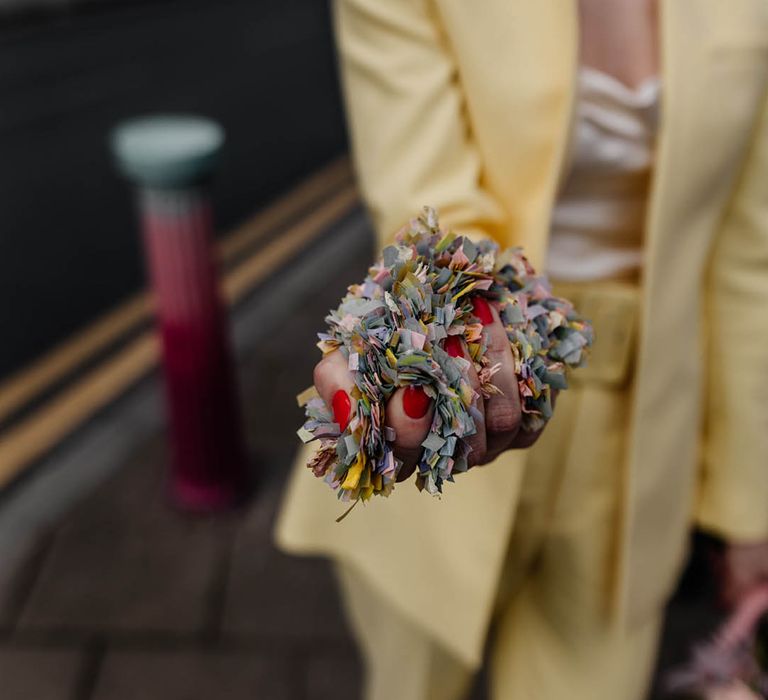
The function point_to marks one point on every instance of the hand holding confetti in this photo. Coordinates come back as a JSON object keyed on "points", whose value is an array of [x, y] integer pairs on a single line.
{"points": [[446, 355]]}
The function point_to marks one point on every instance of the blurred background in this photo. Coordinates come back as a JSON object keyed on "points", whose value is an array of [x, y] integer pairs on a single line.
{"points": [[106, 592], [71, 70]]}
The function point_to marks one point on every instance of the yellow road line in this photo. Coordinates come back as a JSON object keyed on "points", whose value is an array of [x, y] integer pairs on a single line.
{"points": [[53, 366], [34, 436], [245, 276], [322, 183], [56, 364], [55, 420]]}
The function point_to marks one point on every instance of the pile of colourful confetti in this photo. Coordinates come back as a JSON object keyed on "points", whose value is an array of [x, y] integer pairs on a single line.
{"points": [[391, 329]]}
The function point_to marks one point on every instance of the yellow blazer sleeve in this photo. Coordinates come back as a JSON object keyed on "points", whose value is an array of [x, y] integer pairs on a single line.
{"points": [[411, 141], [733, 498]]}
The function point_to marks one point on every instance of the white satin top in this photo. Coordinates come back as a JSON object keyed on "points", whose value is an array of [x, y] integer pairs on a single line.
{"points": [[599, 215]]}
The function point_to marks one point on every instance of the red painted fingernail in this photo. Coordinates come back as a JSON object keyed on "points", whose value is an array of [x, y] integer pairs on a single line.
{"points": [[453, 346], [341, 409], [482, 310], [415, 402]]}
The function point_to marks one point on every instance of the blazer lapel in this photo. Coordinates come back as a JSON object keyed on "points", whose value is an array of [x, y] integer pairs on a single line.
{"points": [[517, 69], [707, 102]]}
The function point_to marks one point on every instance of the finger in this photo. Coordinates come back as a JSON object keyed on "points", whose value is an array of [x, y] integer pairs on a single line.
{"points": [[334, 383], [735, 586], [502, 411], [456, 347], [525, 439], [745, 569], [409, 413], [732, 592]]}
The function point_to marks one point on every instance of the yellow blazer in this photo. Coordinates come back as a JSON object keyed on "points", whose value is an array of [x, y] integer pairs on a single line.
{"points": [[466, 106]]}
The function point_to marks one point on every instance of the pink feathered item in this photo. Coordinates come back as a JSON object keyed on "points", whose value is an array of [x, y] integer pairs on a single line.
{"points": [[727, 667]]}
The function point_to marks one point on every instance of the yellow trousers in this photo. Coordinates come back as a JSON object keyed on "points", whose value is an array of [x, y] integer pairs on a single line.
{"points": [[553, 635]]}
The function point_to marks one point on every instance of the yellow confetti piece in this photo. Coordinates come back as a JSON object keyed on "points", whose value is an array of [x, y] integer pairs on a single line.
{"points": [[391, 358], [446, 240], [328, 346], [466, 393], [462, 292], [354, 472], [365, 479], [306, 396]]}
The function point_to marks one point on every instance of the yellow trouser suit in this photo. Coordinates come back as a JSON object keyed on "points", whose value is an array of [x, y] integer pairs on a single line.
{"points": [[467, 107]]}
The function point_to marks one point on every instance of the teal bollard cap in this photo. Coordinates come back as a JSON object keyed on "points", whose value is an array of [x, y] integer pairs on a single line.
{"points": [[167, 150]]}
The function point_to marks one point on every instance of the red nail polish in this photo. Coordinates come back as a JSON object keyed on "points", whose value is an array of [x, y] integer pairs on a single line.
{"points": [[453, 346], [415, 402], [482, 310], [341, 409]]}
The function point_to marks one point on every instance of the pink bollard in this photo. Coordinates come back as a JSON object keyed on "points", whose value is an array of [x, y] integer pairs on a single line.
{"points": [[170, 159]]}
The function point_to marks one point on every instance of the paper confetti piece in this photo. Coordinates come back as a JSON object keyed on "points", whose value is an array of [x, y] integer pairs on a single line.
{"points": [[305, 396]]}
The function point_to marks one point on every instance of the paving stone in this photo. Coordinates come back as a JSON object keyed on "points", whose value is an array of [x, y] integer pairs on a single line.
{"points": [[39, 674], [278, 596], [194, 675], [124, 560], [271, 423], [126, 580], [337, 675], [136, 497], [17, 574]]}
